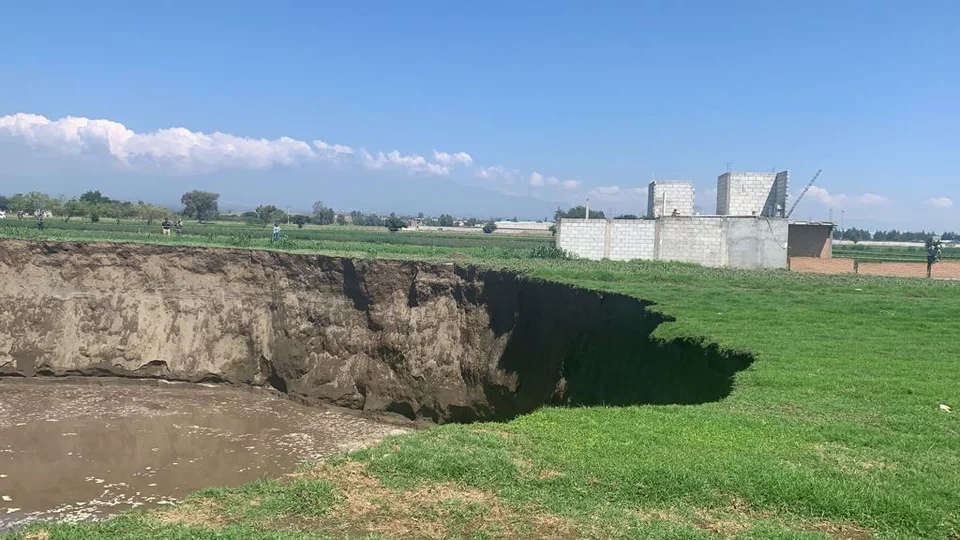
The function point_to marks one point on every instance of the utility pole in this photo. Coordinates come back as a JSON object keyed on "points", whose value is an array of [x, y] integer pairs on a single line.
{"points": [[587, 216], [841, 224]]}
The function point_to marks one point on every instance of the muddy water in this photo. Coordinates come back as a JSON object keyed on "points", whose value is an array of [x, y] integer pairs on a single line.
{"points": [[72, 451]]}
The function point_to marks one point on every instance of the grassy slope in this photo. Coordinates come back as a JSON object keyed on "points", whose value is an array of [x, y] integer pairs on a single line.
{"points": [[834, 431]]}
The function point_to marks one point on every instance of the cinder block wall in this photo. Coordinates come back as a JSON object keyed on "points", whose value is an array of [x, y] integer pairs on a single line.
{"points": [[757, 243], [632, 239], [665, 196], [583, 237], [752, 193], [699, 240], [708, 240]]}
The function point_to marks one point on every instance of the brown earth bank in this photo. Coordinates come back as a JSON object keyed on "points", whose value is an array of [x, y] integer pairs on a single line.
{"points": [[429, 341]]}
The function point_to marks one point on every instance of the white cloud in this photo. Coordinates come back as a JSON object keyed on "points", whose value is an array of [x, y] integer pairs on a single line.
{"points": [[180, 150], [821, 194], [571, 184], [940, 202], [826, 198], [605, 191], [176, 148], [870, 199], [537, 179], [460, 158], [493, 173], [394, 159], [336, 149]]}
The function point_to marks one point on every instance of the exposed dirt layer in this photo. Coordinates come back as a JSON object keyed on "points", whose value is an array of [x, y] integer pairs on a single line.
{"points": [[78, 451], [440, 342]]}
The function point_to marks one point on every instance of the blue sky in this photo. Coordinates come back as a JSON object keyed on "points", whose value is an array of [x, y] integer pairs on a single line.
{"points": [[551, 102]]}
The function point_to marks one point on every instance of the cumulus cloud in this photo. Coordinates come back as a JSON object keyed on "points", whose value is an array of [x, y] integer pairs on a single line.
{"points": [[871, 199], [335, 149], [940, 202], [395, 159], [570, 184], [824, 196], [182, 150], [460, 158]]}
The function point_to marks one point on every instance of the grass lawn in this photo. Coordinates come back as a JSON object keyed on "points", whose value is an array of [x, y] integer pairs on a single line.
{"points": [[834, 432]]}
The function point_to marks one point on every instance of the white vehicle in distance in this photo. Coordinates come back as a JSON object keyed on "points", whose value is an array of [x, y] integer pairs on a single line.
{"points": [[3, 215]]}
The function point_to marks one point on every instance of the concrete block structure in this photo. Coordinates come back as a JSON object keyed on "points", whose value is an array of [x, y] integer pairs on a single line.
{"points": [[752, 194], [585, 238], [697, 240], [632, 239], [741, 242], [669, 197]]}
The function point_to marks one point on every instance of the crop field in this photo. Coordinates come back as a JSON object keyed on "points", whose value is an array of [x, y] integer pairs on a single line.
{"points": [[835, 431], [369, 242], [870, 253]]}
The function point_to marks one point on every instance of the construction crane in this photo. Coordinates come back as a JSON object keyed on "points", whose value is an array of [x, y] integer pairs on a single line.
{"points": [[804, 192]]}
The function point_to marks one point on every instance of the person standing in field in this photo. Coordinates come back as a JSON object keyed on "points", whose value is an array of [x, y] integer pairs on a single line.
{"points": [[276, 232], [179, 226], [165, 226], [39, 221]]}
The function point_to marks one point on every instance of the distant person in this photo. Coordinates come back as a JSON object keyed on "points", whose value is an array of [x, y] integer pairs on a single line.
{"points": [[933, 255], [165, 226], [676, 212], [276, 232], [179, 226], [39, 221]]}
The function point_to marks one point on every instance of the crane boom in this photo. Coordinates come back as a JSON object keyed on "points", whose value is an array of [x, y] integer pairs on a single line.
{"points": [[804, 192]]}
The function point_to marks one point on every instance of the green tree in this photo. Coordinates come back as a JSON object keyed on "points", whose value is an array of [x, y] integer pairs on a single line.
{"points": [[94, 197], [119, 210], [489, 227], [201, 205], [250, 218], [578, 212], [74, 208], [4, 203], [300, 221], [445, 220], [394, 223], [322, 215], [37, 202], [341, 219], [149, 212], [267, 214], [18, 203], [625, 216]]}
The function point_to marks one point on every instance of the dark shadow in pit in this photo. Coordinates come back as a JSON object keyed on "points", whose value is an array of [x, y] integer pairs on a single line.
{"points": [[576, 347]]}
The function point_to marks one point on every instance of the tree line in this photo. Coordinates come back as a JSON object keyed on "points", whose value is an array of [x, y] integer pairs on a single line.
{"points": [[204, 207], [91, 205], [859, 235]]}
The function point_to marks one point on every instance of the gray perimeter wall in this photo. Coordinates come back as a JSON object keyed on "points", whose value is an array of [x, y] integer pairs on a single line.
{"points": [[740, 242], [757, 243], [698, 240]]}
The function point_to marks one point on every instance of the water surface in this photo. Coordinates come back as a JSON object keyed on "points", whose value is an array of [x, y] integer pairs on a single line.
{"points": [[74, 451]]}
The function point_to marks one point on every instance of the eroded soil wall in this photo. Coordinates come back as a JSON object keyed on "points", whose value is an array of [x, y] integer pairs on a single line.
{"points": [[442, 342]]}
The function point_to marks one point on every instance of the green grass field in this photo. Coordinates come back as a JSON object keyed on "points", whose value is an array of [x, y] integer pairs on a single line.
{"points": [[891, 253], [835, 431]]}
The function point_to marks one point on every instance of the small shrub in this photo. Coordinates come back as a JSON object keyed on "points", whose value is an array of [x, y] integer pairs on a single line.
{"points": [[237, 240], [549, 252]]}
